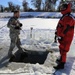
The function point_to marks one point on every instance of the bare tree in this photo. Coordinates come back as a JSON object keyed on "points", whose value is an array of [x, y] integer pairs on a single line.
{"points": [[37, 4], [43, 6], [11, 6], [25, 5], [47, 5], [50, 5], [17, 7], [1, 8]]}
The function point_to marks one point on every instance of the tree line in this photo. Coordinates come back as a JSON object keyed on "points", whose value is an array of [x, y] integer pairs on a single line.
{"points": [[39, 5]]}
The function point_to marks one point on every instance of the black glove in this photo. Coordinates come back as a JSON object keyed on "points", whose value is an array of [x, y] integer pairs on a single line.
{"points": [[21, 25], [55, 39], [17, 27], [55, 33], [60, 38]]}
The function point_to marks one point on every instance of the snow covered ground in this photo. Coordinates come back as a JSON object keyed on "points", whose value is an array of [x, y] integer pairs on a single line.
{"points": [[42, 39]]}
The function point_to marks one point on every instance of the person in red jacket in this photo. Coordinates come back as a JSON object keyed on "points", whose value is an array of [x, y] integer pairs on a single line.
{"points": [[64, 32]]}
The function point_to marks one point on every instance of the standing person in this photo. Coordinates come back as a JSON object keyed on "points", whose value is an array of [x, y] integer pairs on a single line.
{"points": [[15, 26], [64, 32]]}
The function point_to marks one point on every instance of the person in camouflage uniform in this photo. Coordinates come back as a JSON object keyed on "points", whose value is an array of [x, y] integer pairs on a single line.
{"points": [[15, 26]]}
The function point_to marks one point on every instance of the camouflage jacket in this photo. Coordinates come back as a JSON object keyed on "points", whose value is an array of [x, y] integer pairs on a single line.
{"points": [[12, 23]]}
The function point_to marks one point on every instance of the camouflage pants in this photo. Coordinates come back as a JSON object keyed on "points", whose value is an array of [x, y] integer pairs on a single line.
{"points": [[15, 41]]}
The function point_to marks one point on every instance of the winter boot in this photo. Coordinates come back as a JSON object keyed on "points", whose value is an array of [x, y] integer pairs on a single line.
{"points": [[60, 66]]}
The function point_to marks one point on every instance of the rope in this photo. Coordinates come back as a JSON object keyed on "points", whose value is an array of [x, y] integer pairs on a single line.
{"points": [[3, 26], [23, 31]]}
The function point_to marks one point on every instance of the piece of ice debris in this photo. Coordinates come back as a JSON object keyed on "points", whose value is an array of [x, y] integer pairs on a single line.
{"points": [[54, 44], [47, 42]]}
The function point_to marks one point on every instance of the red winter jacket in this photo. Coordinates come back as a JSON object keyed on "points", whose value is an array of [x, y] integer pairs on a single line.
{"points": [[65, 27]]}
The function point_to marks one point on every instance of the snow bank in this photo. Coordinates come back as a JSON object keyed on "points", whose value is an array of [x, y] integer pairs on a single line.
{"points": [[35, 14]]}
